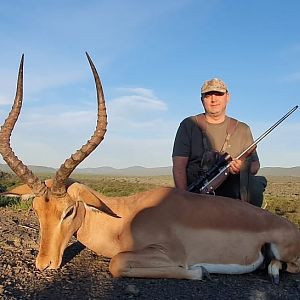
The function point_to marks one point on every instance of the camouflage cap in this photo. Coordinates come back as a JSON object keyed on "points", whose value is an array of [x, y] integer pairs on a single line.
{"points": [[214, 84]]}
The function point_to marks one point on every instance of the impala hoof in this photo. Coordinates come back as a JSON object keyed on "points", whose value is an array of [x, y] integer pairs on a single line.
{"points": [[275, 279], [273, 270]]}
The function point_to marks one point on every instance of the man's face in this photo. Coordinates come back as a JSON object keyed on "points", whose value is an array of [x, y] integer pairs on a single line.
{"points": [[215, 103]]}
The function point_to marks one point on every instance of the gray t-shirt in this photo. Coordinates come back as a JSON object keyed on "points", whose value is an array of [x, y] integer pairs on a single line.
{"points": [[189, 142]]}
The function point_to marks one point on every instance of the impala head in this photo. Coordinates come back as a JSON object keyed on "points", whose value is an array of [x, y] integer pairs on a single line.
{"points": [[60, 218], [60, 214]]}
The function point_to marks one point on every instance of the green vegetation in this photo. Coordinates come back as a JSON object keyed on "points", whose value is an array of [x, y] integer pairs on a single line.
{"points": [[109, 186], [114, 186], [7, 181], [122, 186], [8, 201], [286, 207], [15, 203], [282, 195]]}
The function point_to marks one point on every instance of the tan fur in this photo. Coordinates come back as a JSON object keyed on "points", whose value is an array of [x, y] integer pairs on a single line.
{"points": [[163, 232]]}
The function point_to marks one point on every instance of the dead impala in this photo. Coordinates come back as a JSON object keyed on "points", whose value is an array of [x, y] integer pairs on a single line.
{"points": [[162, 233]]}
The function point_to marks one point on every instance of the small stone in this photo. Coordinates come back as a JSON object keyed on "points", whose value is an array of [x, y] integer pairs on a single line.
{"points": [[132, 289]]}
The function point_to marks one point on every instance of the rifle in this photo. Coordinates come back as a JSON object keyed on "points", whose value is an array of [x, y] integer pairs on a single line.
{"points": [[220, 171]]}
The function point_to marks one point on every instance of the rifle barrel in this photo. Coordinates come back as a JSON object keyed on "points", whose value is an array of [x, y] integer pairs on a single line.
{"points": [[268, 131], [208, 183]]}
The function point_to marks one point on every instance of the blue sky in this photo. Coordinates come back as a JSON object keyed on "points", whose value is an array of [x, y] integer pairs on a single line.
{"points": [[152, 57]]}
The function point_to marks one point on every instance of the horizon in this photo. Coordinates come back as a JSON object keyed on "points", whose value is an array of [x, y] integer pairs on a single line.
{"points": [[129, 167], [152, 58]]}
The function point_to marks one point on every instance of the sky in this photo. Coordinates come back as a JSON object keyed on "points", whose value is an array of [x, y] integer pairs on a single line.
{"points": [[152, 57]]}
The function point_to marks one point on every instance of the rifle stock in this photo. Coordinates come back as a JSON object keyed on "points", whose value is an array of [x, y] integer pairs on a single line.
{"points": [[213, 180]]}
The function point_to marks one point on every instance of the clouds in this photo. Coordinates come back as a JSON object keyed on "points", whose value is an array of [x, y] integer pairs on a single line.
{"points": [[151, 56], [57, 28], [122, 151], [136, 104], [137, 132], [133, 108], [38, 79], [138, 99]]}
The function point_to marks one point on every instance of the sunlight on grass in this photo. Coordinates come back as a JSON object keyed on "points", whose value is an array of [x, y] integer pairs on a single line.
{"points": [[15, 203], [281, 195]]}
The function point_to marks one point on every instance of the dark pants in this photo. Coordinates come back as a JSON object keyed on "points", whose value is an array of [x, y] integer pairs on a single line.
{"points": [[256, 188], [249, 188], [230, 187]]}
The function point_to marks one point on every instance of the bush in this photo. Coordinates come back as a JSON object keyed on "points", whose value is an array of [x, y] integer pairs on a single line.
{"points": [[7, 181], [2, 188]]}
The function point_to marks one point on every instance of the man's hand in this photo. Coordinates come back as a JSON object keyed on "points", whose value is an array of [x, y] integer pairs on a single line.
{"points": [[235, 166]]}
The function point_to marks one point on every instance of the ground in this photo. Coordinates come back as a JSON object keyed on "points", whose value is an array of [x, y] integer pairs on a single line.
{"points": [[85, 275]]}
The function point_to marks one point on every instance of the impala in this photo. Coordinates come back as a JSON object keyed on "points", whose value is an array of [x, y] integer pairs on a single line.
{"points": [[162, 233]]}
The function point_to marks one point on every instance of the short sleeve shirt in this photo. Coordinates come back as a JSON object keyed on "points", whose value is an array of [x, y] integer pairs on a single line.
{"points": [[189, 142]]}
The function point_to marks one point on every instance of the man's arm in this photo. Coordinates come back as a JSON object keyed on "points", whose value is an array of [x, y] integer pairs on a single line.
{"points": [[179, 171]]}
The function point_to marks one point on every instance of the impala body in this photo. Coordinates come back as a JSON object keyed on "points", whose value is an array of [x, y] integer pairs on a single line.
{"points": [[162, 233]]}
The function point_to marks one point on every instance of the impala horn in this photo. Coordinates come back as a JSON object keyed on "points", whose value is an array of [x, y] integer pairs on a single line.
{"points": [[65, 170], [21, 170]]}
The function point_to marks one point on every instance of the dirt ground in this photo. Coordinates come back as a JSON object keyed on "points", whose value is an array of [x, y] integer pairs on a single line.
{"points": [[84, 275]]}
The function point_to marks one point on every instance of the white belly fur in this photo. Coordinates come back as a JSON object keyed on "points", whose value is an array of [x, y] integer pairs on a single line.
{"points": [[230, 268]]}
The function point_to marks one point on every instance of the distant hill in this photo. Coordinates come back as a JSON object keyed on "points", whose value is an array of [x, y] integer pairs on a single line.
{"points": [[109, 171], [278, 171], [131, 171], [142, 171], [34, 169]]}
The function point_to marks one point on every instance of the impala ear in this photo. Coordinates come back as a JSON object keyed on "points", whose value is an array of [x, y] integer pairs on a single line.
{"points": [[79, 191]]}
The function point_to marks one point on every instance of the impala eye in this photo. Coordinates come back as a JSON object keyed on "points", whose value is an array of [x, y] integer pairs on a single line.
{"points": [[69, 212]]}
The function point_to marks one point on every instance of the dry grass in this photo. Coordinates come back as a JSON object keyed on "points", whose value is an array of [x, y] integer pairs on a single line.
{"points": [[123, 186], [282, 195]]}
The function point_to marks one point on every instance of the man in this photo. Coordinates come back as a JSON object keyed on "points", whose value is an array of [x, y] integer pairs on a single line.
{"points": [[201, 139]]}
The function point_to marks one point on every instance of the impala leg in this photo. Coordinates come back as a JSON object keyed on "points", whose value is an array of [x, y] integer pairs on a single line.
{"points": [[151, 263], [273, 270], [293, 267]]}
